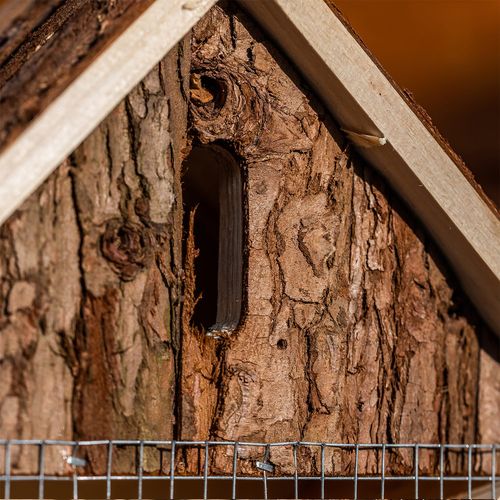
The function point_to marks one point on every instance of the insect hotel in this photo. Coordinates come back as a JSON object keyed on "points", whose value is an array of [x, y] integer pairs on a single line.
{"points": [[236, 261]]}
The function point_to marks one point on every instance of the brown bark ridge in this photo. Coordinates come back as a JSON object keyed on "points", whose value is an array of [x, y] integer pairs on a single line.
{"points": [[19, 19], [354, 329], [44, 53], [89, 284]]}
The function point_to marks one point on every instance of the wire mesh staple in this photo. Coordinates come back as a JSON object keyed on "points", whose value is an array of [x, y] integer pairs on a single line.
{"points": [[320, 470]]}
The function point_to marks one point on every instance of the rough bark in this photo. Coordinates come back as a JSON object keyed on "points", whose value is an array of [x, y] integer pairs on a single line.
{"points": [[19, 19], [355, 330], [89, 284], [37, 65]]}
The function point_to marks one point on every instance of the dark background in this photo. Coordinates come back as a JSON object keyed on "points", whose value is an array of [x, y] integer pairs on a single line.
{"points": [[447, 53]]}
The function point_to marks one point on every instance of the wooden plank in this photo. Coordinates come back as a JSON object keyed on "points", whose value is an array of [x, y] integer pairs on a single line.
{"points": [[363, 100], [91, 96]]}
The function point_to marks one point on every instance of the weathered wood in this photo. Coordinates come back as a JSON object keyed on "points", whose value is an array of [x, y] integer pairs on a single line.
{"points": [[89, 269], [417, 163], [50, 59], [88, 98], [27, 26], [18, 19], [355, 330]]}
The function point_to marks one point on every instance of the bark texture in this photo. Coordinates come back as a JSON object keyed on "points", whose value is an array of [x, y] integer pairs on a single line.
{"points": [[19, 19], [353, 329], [89, 284], [37, 65]]}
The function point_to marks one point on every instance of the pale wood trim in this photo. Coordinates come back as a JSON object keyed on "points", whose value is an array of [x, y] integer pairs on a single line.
{"points": [[363, 100], [72, 116], [351, 85]]}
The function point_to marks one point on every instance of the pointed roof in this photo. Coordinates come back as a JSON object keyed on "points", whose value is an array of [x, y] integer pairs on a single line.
{"points": [[391, 131]]}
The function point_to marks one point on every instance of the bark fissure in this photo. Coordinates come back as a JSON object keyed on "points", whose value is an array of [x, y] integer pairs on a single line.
{"points": [[78, 360], [353, 330], [347, 323], [102, 237]]}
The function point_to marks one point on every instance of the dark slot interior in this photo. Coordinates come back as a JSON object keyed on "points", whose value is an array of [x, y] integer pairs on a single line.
{"points": [[210, 175]]}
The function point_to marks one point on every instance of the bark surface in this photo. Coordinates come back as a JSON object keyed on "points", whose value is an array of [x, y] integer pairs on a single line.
{"points": [[37, 65], [89, 284], [18, 21], [353, 329]]}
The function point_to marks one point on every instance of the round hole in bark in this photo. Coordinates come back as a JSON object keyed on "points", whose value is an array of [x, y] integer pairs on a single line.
{"points": [[282, 344], [213, 189], [208, 91], [217, 88]]}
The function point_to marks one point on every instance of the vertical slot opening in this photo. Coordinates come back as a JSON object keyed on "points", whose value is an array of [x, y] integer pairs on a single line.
{"points": [[212, 185]]}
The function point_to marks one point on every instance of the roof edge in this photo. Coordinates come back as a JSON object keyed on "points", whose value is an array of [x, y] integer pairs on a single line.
{"points": [[411, 157], [419, 111]]}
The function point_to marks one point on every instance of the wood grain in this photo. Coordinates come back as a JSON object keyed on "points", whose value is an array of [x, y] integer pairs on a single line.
{"points": [[54, 54], [230, 268], [354, 328], [88, 99], [18, 20], [90, 289], [343, 75]]}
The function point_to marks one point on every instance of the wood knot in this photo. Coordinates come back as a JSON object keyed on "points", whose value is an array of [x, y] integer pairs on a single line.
{"points": [[126, 247], [208, 91], [142, 208]]}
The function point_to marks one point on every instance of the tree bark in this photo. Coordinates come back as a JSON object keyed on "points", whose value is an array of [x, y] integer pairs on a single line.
{"points": [[47, 44], [89, 281], [353, 328]]}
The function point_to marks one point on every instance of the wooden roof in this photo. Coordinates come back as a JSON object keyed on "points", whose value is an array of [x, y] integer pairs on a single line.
{"points": [[61, 81]]}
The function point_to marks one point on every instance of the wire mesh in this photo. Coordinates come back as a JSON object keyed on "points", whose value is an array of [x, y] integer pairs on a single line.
{"points": [[255, 470]]}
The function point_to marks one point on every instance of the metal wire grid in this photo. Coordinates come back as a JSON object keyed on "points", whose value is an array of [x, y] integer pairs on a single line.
{"points": [[263, 466]]}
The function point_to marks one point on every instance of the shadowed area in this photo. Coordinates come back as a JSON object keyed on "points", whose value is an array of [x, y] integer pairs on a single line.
{"points": [[212, 186], [447, 54]]}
